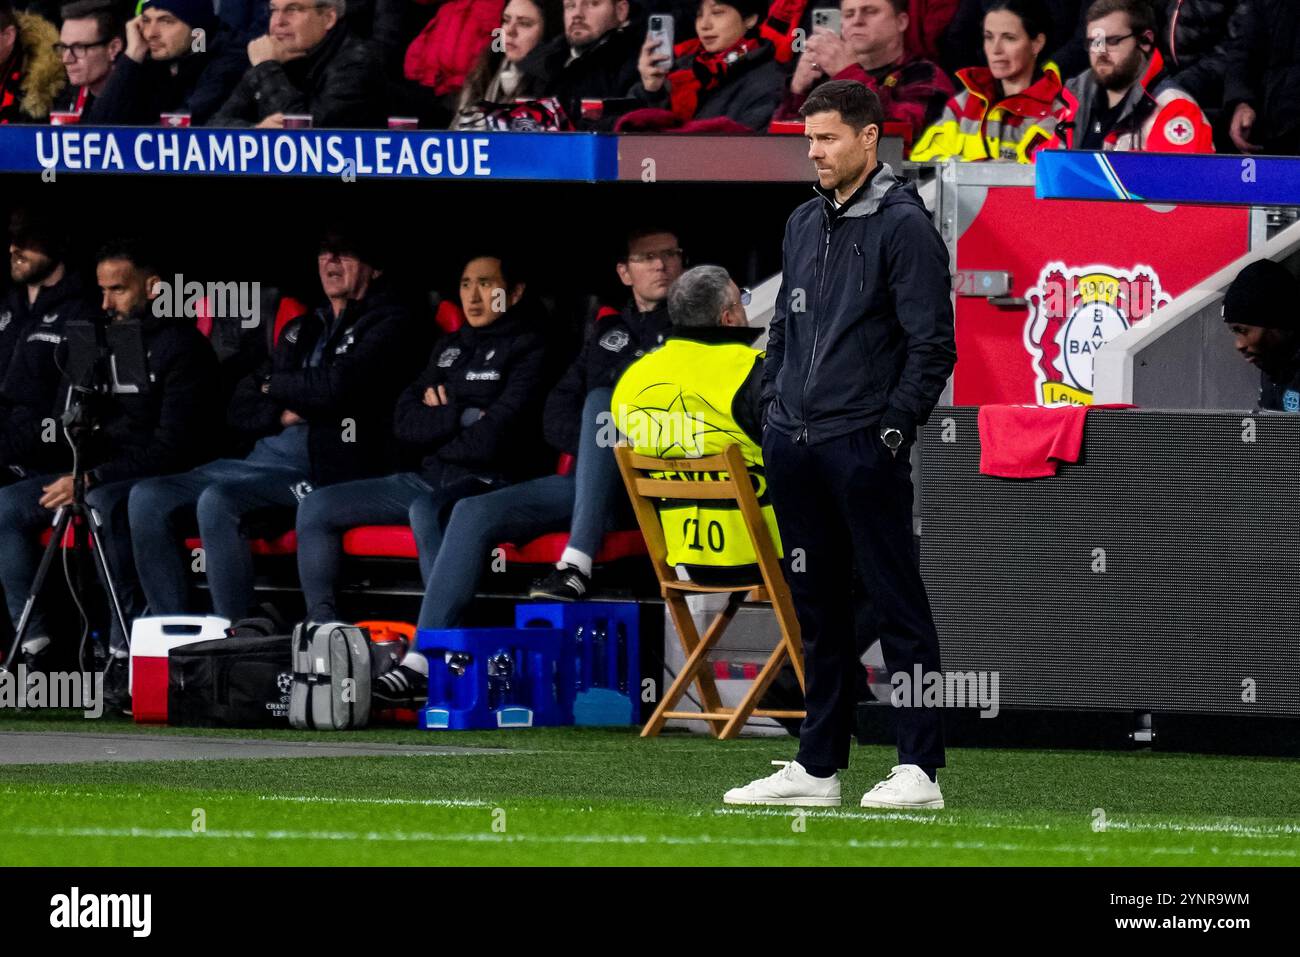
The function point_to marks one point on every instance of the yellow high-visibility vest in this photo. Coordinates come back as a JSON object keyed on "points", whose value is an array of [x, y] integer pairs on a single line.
{"points": [[676, 402]]}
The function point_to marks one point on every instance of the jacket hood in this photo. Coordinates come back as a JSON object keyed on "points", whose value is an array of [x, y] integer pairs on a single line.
{"points": [[1036, 100], [882, 189], [43, 74]]}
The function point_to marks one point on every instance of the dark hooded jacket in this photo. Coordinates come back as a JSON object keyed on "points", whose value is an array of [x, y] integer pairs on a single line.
{"points": [[862, 333], [196, 83], [604, 70]]}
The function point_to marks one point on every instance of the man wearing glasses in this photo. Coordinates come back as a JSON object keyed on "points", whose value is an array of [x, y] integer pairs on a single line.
{"points": [[308, 63], [172, 64], [318, 412], [89, 42], [1126, 100]]}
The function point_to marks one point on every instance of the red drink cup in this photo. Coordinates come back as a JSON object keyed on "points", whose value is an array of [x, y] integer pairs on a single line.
{"points": [[297, 121], [67, 118], [174, 119]]}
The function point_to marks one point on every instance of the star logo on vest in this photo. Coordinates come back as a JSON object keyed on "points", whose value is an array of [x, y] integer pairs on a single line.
{"points": [[615, 340], [1179, 131], [448, 357], [50, 318]]}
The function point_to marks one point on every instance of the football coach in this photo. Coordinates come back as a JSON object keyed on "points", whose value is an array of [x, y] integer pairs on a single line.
{"points": [[860, 347]]}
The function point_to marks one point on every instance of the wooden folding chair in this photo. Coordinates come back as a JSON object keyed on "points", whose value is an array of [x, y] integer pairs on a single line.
{"points": [[770, 586]]}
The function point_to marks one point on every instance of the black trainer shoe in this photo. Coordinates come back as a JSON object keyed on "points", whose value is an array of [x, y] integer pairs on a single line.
{"points": [[563, 584], [402, 687]]}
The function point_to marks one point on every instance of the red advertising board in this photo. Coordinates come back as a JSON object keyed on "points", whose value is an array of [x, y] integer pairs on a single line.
{"points": [[1081, 273]]}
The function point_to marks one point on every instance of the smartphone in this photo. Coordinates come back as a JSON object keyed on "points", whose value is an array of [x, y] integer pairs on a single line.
{"points": [[661, 30], [826, 17]]}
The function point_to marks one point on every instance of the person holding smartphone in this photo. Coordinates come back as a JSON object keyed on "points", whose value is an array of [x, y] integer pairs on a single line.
{"points": [[728, 71], [870, 46]]}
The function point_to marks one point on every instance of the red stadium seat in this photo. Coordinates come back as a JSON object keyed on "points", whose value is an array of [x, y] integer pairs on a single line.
{"points": [[288, 310], [286, 544], [449, 316]]}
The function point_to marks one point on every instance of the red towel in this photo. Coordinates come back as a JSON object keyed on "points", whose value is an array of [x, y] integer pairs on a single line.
{"points": [[1029, 441]]}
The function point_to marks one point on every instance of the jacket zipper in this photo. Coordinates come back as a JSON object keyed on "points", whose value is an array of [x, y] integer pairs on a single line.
{"points": [[821, 279]]}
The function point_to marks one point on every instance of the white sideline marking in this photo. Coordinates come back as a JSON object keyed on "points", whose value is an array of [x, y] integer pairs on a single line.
{"points": [[294, 798], [930, 817], [637, 839]]}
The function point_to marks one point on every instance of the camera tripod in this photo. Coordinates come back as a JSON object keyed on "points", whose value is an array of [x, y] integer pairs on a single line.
{"points": [[84, 522]]}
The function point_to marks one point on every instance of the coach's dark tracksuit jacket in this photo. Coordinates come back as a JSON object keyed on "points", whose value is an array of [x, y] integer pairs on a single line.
{"points": [[347, 399], [617, 340], [843, 355], [494, 380], [30, 334]]}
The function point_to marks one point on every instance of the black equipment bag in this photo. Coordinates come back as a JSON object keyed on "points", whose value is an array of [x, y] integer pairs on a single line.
{"points": [[238, 682]]}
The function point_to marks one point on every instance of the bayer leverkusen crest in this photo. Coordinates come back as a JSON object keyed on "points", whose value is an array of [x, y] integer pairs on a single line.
{"points": [[1073, 313]]}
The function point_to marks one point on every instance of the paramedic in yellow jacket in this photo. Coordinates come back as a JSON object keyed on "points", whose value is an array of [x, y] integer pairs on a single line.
{"points": [[694, 395], [1010, 109]]}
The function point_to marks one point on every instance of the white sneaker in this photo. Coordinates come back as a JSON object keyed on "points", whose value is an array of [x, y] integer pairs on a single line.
{"points": [[906, 787], [792, 785]]}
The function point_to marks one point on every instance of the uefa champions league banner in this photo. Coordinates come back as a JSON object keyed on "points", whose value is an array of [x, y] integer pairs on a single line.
{"points": [[1168, 178], [345, 154]]}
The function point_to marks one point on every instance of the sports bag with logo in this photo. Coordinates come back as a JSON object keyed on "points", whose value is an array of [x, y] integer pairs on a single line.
{"points": [[331, 677], [241, 681]]}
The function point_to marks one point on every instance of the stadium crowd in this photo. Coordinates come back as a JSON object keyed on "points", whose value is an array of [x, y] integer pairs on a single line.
{"points": [[971, 79]]}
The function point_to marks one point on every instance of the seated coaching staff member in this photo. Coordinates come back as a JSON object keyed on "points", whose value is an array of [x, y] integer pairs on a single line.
{"points": [[860, 347]]}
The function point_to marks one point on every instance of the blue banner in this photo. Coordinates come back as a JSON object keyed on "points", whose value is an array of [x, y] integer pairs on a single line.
{"points": [[1169, 178], [345, 154]]}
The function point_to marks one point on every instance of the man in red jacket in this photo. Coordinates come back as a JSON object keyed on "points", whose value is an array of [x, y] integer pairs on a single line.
{"points": [[871, 48]]}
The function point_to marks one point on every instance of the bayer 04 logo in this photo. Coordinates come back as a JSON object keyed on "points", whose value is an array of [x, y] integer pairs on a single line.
{"points": [[1073, 313]]}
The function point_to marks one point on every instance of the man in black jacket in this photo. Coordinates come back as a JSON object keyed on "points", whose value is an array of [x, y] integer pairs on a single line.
{"points": [[470, 419], [173, 63], [310, 64], [90, 41], [860, 347], [46, 296], [142, 428], [576, 420], [1262, 85], [319, 411], [595, 59]]}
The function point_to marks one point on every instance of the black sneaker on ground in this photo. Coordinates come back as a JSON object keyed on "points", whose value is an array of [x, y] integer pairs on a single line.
{"points": [[563, 584], [117, 697], [402, 687]]}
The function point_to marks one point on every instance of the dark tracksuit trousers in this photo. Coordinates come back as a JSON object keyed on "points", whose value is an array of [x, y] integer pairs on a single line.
{"points": [[842, 504]]}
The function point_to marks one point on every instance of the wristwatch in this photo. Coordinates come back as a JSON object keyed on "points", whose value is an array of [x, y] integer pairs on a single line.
{"points": [[892, 438]]}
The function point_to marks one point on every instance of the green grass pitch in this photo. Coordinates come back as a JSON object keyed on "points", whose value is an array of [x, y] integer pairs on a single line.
{"points": [[581, 796]]}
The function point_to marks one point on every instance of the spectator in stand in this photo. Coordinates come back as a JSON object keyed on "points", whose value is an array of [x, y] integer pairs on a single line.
{"points": [[31, 76], [496, 77], [89, 43], [871, 48], [1064, 27], [595, 59], [1198, 37], [471, 419], [1260, 308], [1262, 87], [149, 432], [173, 64], [574, 418], [1127, 101], [310, 64], [728, 71], [927, 21], [1010, 109], [320, 412]]}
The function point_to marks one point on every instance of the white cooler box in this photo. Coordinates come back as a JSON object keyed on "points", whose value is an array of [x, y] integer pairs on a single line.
{"points": [[151, 641]]}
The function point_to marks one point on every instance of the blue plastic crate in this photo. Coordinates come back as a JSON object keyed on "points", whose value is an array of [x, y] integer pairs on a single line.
{"points": [[496, 678], [603, 643]]}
